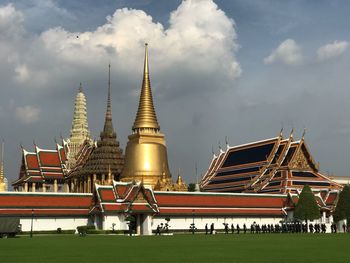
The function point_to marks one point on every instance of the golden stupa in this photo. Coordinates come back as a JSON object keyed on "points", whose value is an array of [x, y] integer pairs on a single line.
{"points": [[146, 157]]}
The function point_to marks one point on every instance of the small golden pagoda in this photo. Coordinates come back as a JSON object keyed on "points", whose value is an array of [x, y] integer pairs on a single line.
{"points": [[146, 157]]}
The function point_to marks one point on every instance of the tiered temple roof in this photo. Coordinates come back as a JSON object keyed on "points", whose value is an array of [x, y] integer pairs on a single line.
{"points": [[42, 165], [107, 157], [276, 165]]}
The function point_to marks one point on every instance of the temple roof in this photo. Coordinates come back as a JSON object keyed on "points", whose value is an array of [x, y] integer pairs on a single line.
{"points": [[107, 156], [276, 165], [42, 164]]}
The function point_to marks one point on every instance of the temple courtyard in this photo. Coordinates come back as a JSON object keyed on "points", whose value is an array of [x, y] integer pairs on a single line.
{"points": [[178, 248]]}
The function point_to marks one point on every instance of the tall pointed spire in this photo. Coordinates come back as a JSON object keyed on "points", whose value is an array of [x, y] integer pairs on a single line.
{"points": [[108, 126], [2, 162], [146, 116], [107, 158], [3, 181]]}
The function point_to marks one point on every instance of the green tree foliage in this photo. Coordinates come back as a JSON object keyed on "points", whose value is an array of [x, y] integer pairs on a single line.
{"points": [[307, 208], [191, 187], [342, 210]]}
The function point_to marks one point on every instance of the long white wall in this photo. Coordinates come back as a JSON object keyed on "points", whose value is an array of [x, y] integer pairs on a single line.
{"points": [[51, 223], [184, 222]]}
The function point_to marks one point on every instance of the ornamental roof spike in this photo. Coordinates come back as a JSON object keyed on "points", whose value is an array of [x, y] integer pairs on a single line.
{"points": [[303, 135], [80, 88], [227, 144]]}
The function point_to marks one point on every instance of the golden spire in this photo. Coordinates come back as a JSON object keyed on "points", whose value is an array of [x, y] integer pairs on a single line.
{"points": [[2, 163], [146, 116]]}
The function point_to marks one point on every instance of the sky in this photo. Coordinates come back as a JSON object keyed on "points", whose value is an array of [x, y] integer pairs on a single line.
{"points": [[240, 69]]}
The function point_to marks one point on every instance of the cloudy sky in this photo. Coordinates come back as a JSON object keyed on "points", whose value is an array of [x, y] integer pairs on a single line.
{"points": [[241, 69]]}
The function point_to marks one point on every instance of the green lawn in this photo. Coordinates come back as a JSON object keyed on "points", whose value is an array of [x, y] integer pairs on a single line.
{"points": [[178, 248]]}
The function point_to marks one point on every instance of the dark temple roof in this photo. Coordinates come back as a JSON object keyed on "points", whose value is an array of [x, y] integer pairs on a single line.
{"points": [[107, 156]]}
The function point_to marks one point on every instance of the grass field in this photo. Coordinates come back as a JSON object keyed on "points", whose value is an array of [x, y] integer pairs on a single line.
{"points": [[178, 248]]}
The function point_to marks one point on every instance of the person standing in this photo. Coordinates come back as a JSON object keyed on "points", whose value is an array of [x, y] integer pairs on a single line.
{"points": [[206, 228], [232, 229], [238, 229], [244, 228]]}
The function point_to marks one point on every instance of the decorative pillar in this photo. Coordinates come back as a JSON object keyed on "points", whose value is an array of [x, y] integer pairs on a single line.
{"points": [[89, 184], [109, 178], [44, 187], [324, 217], [26, 187], [55, 186], [33, 187], [138, 224], [103, 179], [93, 182]]}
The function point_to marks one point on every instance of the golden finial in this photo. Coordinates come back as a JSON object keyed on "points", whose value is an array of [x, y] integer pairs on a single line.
{"points": [[80, 87], [146, 116]]}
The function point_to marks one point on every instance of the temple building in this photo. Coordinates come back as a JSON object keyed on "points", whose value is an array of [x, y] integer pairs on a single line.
{"points": [[146, 157], [102, 163], [79, 133], [277, 165], [3, 180], [42, 170]]}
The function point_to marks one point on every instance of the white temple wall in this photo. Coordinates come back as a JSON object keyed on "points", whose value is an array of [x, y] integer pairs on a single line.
{"points": [[118, 220], [184, 222], [52, 223]]}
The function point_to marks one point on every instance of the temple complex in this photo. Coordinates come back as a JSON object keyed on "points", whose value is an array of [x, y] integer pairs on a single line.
{"points": [[80, 130], [93, 183], [276, 165], [100, 164], [146, 157]]}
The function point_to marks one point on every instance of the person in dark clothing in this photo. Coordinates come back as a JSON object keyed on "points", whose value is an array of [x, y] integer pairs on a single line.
{"points": [[244, 228], [232, 229], [311, 228], [206, 229], [226, 228], [212, 228], [238, 229], [252, 228], [344, 228], [158, 230]]}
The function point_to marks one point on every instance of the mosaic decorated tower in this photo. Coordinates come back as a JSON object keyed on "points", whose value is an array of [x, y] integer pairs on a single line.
{"points": [[80, 130], [146, 157]]}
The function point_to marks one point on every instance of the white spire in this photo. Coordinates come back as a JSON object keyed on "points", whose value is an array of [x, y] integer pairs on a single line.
{"points": [[80, 129]]}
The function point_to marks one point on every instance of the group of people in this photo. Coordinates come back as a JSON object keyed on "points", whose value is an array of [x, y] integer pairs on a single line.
{"points": [[162, 228], [294, 227]]}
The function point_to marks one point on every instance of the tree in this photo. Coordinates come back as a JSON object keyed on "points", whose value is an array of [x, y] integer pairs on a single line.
{"points": [[191, 187], [307, 208], [342, 210]]}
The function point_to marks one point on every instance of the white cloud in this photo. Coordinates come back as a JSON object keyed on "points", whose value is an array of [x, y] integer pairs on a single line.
{"points": [[288, 53], [332, 50], [22, 73], [27, 114], [192, 42], [10, 22]]}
